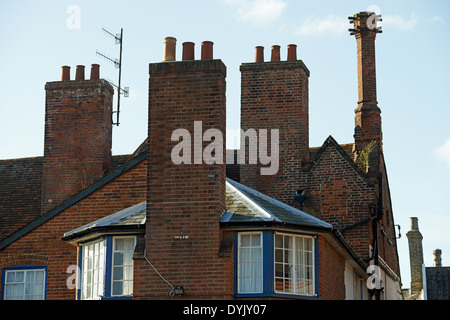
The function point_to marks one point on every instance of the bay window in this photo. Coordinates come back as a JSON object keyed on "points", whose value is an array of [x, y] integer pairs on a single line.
{"points": [[294, 264], [107, 268], [272, 263], [250, 263]]}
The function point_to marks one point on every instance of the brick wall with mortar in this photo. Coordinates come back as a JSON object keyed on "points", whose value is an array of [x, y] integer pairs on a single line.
{"points": [[336, 193], [331, 271], [184, 201], [78, 135], [274, 95], [415, 256], [43, 246]]}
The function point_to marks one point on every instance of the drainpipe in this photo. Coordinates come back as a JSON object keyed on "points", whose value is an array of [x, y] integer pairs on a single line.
{"points": [[375, 231]]}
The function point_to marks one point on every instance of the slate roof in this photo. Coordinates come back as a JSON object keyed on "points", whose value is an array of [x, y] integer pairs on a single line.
{"points": [[243, 204], [438, 283], [131, 218], [246, 205]]}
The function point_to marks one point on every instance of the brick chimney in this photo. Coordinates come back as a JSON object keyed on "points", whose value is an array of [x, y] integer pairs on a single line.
{"points": [[78, 133], [367, 114], [185, 200], [437, 257], [415, 256], [274, 95]]}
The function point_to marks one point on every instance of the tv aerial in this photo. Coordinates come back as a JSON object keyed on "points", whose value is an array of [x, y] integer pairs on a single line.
{"points": [[118, 64]]}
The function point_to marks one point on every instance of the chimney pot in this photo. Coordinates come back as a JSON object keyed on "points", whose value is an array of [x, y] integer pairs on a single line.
{"points": [[188, 51], [169, 49], [259, 54], [414, 223], [292, 52], [437, 257], [207, 50], [275, 53], [79, 76], [95, 71], [65, 76]]}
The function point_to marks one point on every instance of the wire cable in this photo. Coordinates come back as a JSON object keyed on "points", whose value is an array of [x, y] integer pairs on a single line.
{"points": [[172, 292]]}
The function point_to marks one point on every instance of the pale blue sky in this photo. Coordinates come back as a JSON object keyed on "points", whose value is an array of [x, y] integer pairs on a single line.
{"points": [[412, 72]]}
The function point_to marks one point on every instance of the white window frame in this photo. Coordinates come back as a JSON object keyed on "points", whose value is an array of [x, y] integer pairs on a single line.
{"points": [[239, 262], [21, 287], [113, 251], [294, 265], [94, 276]]}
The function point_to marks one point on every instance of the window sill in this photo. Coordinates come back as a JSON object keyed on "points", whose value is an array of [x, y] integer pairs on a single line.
{"points": [[118, 298], [277, 295]]}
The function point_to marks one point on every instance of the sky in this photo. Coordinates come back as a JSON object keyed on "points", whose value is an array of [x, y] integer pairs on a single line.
{"points": [[412, 61]]}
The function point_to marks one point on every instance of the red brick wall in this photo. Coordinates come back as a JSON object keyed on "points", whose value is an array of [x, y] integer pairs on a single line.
{"points": [[77, 145], [336, 193], [331, 271], [186, 199], [274, 95], [43, 245]]}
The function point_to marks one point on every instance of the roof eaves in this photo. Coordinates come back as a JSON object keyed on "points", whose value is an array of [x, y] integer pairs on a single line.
{"points": [[330, 141]]}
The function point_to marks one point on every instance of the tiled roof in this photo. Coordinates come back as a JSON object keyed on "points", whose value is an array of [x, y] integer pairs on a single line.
{"points": [[438, 283], [245, 205], [21, 192]]}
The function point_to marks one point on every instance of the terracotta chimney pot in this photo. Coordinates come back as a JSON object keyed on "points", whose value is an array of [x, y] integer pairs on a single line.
{"points": [[207, 50], [259, 54], [95, 71], [275, 53], [79, 75], [188, 51], [292, 52], [65, 76]]}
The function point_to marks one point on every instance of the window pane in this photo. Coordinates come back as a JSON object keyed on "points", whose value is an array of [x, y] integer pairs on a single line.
{"points": [[117, 288], [117, 273], [118, 258], [256, 240], [293, 268], [10, 276], [122, 273], [92, 270], [19, 276], [278, 241], [245, 240], [250, 266]]}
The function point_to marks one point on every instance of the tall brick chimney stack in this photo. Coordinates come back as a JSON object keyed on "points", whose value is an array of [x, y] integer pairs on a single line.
{"points": [[78, 134], [274, 95], [367, 114], [415, 256], [185, 200]]}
